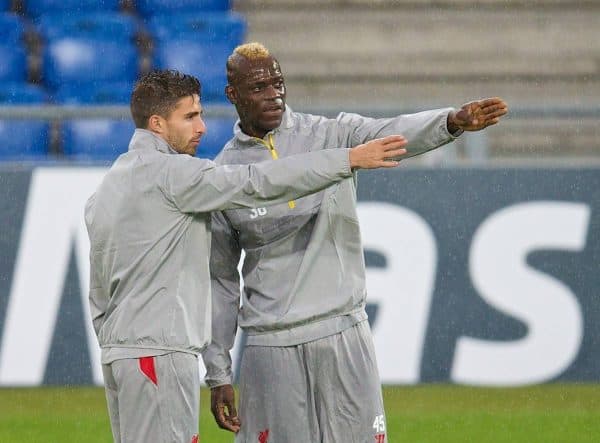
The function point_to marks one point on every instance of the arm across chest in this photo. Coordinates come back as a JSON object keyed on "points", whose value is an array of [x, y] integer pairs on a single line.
{"points": [[262, 225]]}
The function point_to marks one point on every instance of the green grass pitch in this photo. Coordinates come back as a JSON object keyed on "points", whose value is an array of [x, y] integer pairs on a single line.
{"points": [[550, 413]]}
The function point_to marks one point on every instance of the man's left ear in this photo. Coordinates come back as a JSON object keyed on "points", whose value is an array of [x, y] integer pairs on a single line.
{"points": [[231, 94], [155, 124]]}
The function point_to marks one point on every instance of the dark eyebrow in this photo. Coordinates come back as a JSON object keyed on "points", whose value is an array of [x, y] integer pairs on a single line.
{"points": [[192, 114], [257, 83]]}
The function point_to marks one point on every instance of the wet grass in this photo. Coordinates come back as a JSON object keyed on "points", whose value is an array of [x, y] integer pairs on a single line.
{"points": [[421, 414]]}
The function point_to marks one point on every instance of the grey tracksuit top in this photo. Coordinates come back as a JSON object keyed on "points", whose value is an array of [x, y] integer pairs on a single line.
{"points": [[149, 229], [304, 272]]}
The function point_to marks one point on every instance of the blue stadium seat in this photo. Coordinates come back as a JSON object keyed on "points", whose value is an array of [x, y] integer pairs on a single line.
{"points": [[72, 60], [21, 93], [105, 25], [39, 7], [23, 139], [209, 27], [101, 93], [96, 139], [205, 61], [11, 28], [4, 4], [13, 63], [219, 130], [156, 7]]}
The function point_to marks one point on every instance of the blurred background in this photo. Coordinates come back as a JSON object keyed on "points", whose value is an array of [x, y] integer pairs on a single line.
{"points": [[379, 57], [483, 257]]}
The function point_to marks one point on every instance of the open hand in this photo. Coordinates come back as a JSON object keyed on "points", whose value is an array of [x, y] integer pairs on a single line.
{"points": [[378, 153], [477, 115], [222, 406]]}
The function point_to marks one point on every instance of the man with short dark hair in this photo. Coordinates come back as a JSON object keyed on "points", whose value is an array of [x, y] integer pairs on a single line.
{"points": [[149, 229], [308, 372]]}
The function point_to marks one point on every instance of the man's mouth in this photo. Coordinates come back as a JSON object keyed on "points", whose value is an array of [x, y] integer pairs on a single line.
{"points": [[276, 105], [272, 108]]}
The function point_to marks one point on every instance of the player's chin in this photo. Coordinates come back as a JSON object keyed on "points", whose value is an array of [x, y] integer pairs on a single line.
{"points": [[193, 147], [271, 121]]}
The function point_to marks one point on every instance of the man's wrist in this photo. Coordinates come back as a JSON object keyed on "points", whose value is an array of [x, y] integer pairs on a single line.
{"points": [[453, 129]]}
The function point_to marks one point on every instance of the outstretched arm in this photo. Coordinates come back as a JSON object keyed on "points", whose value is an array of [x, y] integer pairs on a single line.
{"points": [[477, 115], [424, 130], [196, 185]]}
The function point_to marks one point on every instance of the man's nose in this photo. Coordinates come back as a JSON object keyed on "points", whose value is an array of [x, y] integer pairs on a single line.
{"points": [[201, 127], [272, 92]]}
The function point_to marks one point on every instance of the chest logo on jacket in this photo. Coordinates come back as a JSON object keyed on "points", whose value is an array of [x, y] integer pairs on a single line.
{"points": [[257, 212]]}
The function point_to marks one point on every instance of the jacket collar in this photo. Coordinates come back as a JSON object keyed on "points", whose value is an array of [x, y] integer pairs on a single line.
{"points": [[287, 122], [144, 139]]}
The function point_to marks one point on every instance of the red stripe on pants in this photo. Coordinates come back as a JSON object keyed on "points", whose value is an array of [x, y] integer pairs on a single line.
{"points": [[147, 367]]}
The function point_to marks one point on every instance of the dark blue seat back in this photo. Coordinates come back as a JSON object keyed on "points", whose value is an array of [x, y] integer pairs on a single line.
{"points": [[157, 7], [16, 93], [74, 60], [13, 62], [205, 27], [205, 61], [219, 130], [99, 93], [39, 7], [96, 139], [11, 28], [104, 25], [23, 139]]}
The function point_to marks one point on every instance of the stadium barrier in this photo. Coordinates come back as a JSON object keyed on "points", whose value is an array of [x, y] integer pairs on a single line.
{"points": [[482, 276]]}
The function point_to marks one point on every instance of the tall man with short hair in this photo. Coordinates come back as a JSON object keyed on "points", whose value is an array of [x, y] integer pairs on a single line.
{"points": [[149, 229], [308, 372]]}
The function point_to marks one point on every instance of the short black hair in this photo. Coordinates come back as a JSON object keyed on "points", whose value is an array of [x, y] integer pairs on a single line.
{"points": [[157, 92]]}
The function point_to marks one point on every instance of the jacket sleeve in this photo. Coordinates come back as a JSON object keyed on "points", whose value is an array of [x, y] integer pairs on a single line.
{"points": [[196, 185], [98, 296], [424, 131], [225, 285]]}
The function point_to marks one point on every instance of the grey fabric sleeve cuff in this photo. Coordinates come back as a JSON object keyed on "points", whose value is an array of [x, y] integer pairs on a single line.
{"points": [[214, 383]]}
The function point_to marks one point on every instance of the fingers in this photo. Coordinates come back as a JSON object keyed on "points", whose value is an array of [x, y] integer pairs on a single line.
{"points": [[494, 101], [392, 141], [398, 145], [389, 163], [222, 406], [394, 153], [233, 418], [392, 158], [229, 422], [494, 108], [497, 114], [493, 116]]}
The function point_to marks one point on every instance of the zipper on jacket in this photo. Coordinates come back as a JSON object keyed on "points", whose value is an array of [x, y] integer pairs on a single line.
{"points": [[271, 147]]}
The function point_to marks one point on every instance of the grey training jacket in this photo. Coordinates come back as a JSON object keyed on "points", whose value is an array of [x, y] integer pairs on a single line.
{"points": [[304, 272], [149, 229]]}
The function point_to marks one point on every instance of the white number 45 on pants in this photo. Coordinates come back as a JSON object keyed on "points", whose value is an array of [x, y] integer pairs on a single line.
{"points": [[379, 423]]}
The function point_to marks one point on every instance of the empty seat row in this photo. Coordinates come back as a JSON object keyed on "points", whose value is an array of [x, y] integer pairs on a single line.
{"points": [[206, 26], [89, 52], [85, 48], [91, 139], [144, 7]]}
